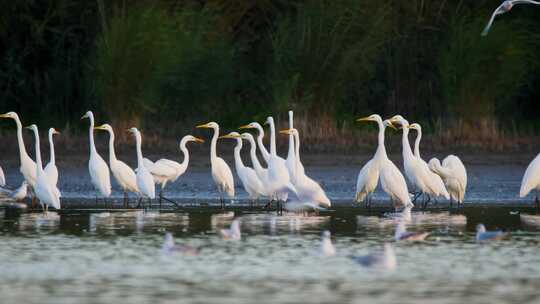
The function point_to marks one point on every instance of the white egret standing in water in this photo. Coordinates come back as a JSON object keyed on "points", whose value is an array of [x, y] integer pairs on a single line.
{"points": [[28, 166], [505, 7], [166, 170], [145, 181], [99, 171], [250, 181], [124, 175], [45, 191], [454, 175], [292, 165], [531, 180], [221, 172], [262, 173], [381, 167], [51, 170], [308, 191]]}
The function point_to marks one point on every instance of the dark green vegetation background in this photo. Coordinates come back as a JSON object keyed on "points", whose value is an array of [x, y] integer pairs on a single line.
{"points": [[165, 65]]}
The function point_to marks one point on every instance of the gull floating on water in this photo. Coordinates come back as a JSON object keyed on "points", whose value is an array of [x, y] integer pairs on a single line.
{"points": [[232, 233], [326, 249], [18, 194], [170, 247], [482, 235], [385, 260], [403, 235]]}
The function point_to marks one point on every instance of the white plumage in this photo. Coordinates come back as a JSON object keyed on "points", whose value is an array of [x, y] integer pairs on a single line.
{"points": [[99, 171], [221, 172], [145, 181], [505, 7], [454, 175]]}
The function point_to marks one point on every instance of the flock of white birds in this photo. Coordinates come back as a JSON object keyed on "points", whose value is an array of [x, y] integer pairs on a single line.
{"points": [[283, 181]]}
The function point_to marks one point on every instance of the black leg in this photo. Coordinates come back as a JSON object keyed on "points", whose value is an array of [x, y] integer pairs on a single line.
{"points": [[160, 197], [537, 202]]}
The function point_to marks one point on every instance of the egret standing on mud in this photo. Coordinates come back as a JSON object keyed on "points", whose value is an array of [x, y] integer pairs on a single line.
{"points": [[124, 175], [45, 191], [165, 170], [99, 171], [221, 172]]}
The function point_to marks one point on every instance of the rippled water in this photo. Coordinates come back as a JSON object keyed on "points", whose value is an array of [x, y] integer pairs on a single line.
{"points": [[116, 257]]}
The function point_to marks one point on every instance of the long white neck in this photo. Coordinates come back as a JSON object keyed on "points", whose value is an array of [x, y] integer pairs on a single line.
{"points": [[39, 165], [381, 150], [297, 148], [112, 153], [51, 144], [407, 152], [138, 141], [253, 153], [417, 143], [260, 137], [237, 158], [213, 144], [22, 149], [184, 150], [290, 153], [91, 135], [272, 138]]}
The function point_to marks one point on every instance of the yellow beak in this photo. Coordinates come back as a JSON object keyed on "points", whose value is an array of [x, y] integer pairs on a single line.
{"points": [[199, 139], [245, 127], [56, 132], [391, 125], [229, 136], [203, 126], [4, 116], [364, 119], [287, 131]]}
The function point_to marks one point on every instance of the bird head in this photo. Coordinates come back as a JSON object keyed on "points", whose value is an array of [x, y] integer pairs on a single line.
{"points": [[11, 115], [209, 125], [416, 127], [88, 114], [251, 125], [53, 131], [247, 136], [104, 127], [292, 131], [32, 127], [269, 120], [193, 138], [373, 117], [231, 135], [399, 120]]}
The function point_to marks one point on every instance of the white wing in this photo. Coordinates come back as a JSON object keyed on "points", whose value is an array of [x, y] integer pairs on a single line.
{"points": [[99, 172], [531, 178], [221, 172], [52, 173], [251, 182], [125, 176], [168, 168], [393, 183], [368, 178]]}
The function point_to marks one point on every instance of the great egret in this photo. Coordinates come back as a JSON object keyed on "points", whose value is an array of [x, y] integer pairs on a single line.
{"points": [[385, 260], [233, 233], [124, 175], [308, 190], [2, 178], [251, 182], [437, 182], [165, 170], [44, 189], [51, 170], [221, 173], [454, 175], [260, 136], [326, 248], [381, 167], [145, 181], [28, 166], [99, 171], [505, 7], [279, 184], [416, 171], [262, 173], [482, 235], [292, 165], [531, 180]]}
